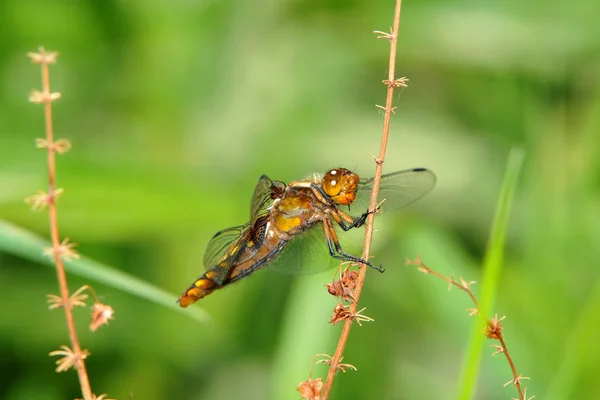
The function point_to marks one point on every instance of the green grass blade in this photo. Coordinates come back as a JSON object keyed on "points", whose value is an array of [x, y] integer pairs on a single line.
{"points": [[308, 311], [492, 267], [20, 242]]}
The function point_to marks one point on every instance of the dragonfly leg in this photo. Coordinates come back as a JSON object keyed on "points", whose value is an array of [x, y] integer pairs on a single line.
{"points": [[319, 192], [323, 197], [341, 216], [336, 251]]}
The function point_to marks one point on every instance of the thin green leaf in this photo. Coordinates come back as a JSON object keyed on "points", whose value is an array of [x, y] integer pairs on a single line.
{"points": [[18, 241], [492, 267], [307, 311]]}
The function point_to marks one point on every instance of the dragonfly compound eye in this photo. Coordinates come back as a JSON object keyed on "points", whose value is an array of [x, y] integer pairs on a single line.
{"points": [[340, 184]]}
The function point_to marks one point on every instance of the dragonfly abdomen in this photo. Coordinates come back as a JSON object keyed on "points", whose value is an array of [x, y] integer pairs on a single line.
{"points": [[246, 262], [201, 287]]}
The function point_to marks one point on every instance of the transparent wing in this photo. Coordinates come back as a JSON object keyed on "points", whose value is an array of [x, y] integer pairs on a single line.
{"points": [[307, 252], [234, 246], [265, 192], [399, 189], [220, 243]]}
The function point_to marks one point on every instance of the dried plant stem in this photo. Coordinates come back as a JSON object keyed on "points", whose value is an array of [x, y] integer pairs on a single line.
{"points": [[84, 381], [493, 327], [516, 376], [392, 84]]}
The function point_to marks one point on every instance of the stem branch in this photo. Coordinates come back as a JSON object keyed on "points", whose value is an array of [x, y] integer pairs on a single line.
{"points": [[493, 327]]}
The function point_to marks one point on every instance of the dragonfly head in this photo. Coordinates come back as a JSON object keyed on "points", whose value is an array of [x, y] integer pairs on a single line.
{"points": [[340, 185]]}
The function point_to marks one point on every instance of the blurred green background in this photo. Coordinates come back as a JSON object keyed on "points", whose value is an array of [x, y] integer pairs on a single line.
{"points": [[175, 108]]}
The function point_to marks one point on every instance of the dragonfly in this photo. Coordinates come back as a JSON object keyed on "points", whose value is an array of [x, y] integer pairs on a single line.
{"points": [[280, 213]]}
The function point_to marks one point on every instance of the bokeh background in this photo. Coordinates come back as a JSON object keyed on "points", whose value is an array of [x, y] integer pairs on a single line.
{"points": [[175, 108]]}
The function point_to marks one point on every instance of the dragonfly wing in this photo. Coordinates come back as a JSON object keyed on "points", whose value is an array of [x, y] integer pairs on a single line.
{"points": [[307, 252], [232, 247], [226, 253], [399, 189], [220, 243], [265, 192]]}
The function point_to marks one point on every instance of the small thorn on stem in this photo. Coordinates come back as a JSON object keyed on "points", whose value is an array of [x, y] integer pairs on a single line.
{"points": [[69, 359], [472, 311], [392, 110], [400, 82], [42, 199], [43, 56], [417, 261], [377, 160], [54, 301], [378, 209], [464, 284], [340, 367], [77, 299], [517, 380], [385, 35], [525, 395], [499, 349], [419, 264], [61, 146], [38, 97], [63, 251]]}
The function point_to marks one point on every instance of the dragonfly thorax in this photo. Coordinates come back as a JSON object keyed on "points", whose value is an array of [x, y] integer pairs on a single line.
{"points": [[296, 211]]}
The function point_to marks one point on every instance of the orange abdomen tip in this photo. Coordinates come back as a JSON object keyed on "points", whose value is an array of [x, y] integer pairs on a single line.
{"points": [[201, 288]]}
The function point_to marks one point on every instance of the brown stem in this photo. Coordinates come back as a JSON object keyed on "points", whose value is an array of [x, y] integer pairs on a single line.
{"points": [[462, 286], [493, 327], [335, 361], [517, 379], [84, 381]]}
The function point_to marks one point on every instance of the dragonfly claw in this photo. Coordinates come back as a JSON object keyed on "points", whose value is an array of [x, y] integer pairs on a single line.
{"points": [[375, 267]]}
